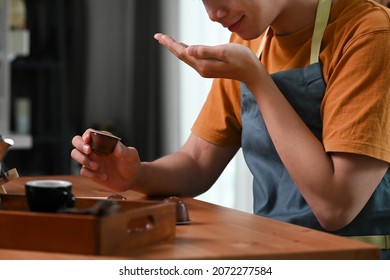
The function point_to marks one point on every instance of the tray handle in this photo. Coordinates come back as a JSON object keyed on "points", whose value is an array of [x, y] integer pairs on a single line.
{"points": [[140, 224]]}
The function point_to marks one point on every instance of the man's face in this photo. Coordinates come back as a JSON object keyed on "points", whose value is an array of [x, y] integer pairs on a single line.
{"points": [[248, 18]]}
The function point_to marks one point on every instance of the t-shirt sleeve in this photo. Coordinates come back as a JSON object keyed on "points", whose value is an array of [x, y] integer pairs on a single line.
{"points": [[356, 106], [219, 121]]}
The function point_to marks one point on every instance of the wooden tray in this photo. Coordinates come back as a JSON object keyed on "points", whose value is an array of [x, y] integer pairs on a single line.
{"points": [[135, 224]]}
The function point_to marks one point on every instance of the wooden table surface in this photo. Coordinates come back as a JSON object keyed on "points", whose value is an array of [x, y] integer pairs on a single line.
{"points": [[215, 232]]}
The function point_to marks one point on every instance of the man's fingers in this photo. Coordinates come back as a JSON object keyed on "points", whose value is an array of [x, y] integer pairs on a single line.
{"points": [[207, 52], [97, 176], [177, 48]]}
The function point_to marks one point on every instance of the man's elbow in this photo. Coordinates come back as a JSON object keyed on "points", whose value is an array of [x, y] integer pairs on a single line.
{"points": [[333, 218]]}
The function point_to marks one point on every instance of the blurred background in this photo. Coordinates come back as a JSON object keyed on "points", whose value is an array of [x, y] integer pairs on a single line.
{"points": [[66, 65]]}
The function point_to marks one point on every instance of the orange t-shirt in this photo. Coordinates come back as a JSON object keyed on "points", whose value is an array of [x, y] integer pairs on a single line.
{"points": [[354, 56]]}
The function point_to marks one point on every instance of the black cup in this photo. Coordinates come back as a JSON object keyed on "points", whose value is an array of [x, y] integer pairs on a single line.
{"points": [[49, 195]]}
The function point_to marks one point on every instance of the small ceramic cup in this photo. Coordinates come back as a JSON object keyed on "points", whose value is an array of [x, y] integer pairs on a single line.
{"points": [[103, 143], [49, 195], [182, 215]]}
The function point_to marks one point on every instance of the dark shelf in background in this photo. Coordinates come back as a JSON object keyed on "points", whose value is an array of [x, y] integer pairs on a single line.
{"points": [[36, 64], [42, 78]]}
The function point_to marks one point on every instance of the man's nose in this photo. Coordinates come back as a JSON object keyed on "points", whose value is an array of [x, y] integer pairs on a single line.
{"points": [[218, 13]]}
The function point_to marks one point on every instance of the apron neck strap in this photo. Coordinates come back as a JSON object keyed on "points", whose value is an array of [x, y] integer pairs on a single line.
{"points": [[262, 43], [322, 17]]}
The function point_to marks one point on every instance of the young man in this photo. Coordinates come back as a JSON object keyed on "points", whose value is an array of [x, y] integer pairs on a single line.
{"points": [[310, 111]]}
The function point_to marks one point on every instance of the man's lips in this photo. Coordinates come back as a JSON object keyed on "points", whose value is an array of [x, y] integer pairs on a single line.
{"points": [[235, 26]]}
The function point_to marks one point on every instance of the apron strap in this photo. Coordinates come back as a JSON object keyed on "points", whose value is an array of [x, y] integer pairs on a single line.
{"points": [[262, 43], [322, 17]]}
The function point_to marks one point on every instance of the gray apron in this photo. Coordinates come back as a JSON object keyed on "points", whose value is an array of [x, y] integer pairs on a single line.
{"points": [[275, 194]]}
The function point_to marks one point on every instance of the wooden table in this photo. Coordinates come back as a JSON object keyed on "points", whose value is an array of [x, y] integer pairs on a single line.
{"points": [[216, 232]]}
